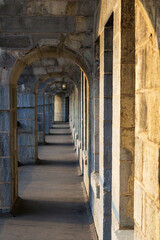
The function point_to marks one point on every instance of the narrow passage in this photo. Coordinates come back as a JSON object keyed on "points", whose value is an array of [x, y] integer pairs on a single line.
{"points": [[53, 205]]}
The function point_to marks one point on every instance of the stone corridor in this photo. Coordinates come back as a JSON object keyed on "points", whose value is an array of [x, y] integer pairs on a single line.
{"points": [[53, 203], [80, 119]]}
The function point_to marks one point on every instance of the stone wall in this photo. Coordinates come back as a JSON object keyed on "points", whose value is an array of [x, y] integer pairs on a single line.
{"points": [[112, 181], [5, 163], [26, 127], [147, 141]]}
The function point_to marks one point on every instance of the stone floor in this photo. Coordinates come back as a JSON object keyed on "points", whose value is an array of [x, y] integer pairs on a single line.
{"points": [[54, 203]]}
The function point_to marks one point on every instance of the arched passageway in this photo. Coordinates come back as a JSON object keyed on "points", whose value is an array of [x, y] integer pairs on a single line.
{"points": [[36, 54], [93, 65]]}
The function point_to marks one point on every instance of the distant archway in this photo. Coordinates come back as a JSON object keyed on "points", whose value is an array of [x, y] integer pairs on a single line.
{"points": [[43, 79]]}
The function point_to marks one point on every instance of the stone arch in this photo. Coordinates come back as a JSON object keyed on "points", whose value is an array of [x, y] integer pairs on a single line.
{"points": [[43, 79], [47, 52], [20, 64], [44, 91]]}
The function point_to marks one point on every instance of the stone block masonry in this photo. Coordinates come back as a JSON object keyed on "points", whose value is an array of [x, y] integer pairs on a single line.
{"points": [[26, 127]]}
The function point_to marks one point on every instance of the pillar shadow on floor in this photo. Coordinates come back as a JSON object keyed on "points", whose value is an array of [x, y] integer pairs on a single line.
{"points": [[64, 163]]}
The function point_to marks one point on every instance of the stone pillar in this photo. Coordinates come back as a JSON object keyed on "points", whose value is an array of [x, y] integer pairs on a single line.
{"points": [[82, 125], [40, 117], [26, 127], [76, 115], [96, 109], [45, 114], [123, 117], [5, 156], [105, 126], [79, 124], [50, 110], [86, 130]]}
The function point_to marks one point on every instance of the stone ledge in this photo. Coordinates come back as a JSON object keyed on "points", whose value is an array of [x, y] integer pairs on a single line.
{"points": [[123, 235]]}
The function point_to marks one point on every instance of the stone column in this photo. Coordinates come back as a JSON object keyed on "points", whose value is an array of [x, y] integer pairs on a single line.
{"points": [[96, 109], [5, 155], [50, 110], [82, 125], [40, 117], [105, 126], [123, 117], [45, 114]]}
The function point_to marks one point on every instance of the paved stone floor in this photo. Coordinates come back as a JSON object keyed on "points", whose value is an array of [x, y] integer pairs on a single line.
{"points": [[53, 205]]}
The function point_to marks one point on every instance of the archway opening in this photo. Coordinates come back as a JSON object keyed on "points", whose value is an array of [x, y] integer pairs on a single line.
{"points": [[20, 65]]}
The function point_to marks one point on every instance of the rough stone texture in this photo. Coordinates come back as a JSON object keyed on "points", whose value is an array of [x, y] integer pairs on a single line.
{"points": [[26, 128], [15, 42], [37, 24], [147, 205]]}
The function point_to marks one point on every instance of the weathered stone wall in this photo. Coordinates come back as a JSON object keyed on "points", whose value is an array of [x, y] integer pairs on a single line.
{"points": [[112, 184], [26, 127], [26, 26], [5, 167], [147, 141]]}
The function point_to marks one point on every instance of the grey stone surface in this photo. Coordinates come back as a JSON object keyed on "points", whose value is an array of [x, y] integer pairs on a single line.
{"points": [[6, 59], [15, 42], [5, 175], [37, 24], [11, 8], [108, 109], [108, 56], [4, 144], [108, 156], [4, 121], [40, 126], [26, 154], [25, 139], [5, 198], [40, 118], [28, 100], [108, 179], [108, 133], [108, 85], [25, 113], [107, 228], [107, 202], [4, 98], [27, 125], [40, 99]]}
